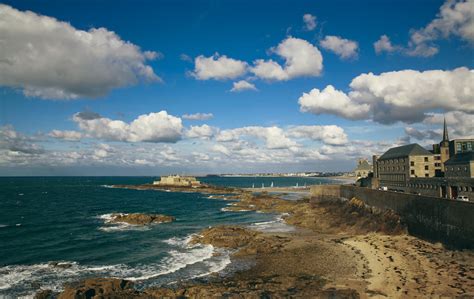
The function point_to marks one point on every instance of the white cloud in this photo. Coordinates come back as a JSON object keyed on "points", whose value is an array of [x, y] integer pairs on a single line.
{"points": [[344, 48], [185, 57], [274, 137], [423, 134], [50, 59], [331, 134], [204, 132], [460, 124], [455, 18], [242, 85], [218, 67], [198, 116], [384, 45], [152, 127], [66, 135], [302, 59], [405, 96], [309, 22], [15, 142], [332, 101]]}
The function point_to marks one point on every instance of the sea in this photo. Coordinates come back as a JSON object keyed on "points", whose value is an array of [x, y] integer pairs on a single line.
{"points": [[55, 230]]}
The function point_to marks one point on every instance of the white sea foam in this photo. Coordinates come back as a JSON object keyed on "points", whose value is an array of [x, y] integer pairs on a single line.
{"points": [[231, 210], [52, 276], [276, 225], [107, 186], [3, 225], [118, 226]]}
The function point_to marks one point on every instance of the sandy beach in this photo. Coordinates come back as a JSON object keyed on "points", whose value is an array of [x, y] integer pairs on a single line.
{"points": [[337, 250]]}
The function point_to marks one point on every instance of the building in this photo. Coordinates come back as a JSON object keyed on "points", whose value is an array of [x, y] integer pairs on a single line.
{"points": [[441, 152], [461, 146], [397, 165], [460, 165], [447, 171], [363, 169], [178, 181], [448, 148]]}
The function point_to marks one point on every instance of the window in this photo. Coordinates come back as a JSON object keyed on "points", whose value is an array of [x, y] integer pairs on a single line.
{"points": [[412, 171], [426, 159], [412, 163], [427, 167], [427, 175]]}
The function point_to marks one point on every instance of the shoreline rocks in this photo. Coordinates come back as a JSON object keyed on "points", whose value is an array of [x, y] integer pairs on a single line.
{"points": [[140, 219]]}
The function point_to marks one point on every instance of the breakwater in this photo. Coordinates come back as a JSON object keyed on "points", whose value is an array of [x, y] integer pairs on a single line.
{"points": [[436, 219]]}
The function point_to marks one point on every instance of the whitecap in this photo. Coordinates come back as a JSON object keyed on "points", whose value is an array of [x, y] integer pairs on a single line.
{"points": [[276, 225], [118, 226], [232, 210]]}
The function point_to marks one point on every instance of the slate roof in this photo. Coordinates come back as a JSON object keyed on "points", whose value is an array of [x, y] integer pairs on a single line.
{"points": [[460, 158], [405, 150]]}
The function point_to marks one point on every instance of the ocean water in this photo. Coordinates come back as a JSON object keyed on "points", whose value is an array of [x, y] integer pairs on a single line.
{"points": [[54, 230]]}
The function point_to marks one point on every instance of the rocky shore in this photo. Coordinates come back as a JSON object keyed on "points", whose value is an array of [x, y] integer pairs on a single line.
{"points": [[140, 219], [341, 249]]}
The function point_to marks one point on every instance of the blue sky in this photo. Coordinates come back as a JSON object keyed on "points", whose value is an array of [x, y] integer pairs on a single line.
{"points": [[243, 31]]}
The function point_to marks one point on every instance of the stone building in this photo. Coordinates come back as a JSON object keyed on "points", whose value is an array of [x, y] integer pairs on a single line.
{"points": [[178, 181], [460, 166], [457, 146], [363, 169], [397, 165]]}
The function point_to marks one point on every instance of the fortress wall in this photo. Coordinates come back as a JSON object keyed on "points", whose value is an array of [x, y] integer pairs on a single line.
{"points": [[437, 219]]}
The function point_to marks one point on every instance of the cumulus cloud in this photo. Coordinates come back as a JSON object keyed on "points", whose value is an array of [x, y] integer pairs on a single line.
{"points": [[66, 135], [274, 137], [331, 134], [455, 18], [309, 22], [152, 127], [460, 124], [423, 134], [198, 116], [218, 67], [204, 132], [405, 96], [242, 85], [51, 59], [302, 59], [332, 101], [344, 48], [15, 142], [384, 45]]}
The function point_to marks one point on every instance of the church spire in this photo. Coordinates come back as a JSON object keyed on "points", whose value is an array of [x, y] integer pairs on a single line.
{"points": [[445, 131]]}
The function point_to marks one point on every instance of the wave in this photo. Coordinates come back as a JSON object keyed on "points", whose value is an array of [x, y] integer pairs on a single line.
{"points": [[273, 226], [231, 210], [118, 226], [3, 225], [184, 261]]}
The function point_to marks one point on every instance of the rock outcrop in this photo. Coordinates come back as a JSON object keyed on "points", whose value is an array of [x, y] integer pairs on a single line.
{"points": [[245, 241], [100, 288], [140, 219]]}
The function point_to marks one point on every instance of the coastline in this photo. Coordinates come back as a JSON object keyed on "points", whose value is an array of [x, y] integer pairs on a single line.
{"points": [[337, 249]]}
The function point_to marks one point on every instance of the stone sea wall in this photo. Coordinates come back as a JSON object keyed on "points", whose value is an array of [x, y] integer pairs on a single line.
{"points": [[436, 219]]}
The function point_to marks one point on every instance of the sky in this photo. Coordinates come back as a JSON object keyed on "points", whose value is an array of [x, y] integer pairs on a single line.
{"points": [[200, 87]]}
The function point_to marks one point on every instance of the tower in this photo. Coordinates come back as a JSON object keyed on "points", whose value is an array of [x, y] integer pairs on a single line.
{"points": [[444, 145]]}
